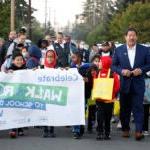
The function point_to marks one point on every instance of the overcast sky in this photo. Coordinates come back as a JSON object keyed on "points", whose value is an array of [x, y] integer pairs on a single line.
{"points": [[63, 10]]}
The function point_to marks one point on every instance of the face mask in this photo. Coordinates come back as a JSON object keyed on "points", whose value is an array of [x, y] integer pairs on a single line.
{"points": [[81, 46], [24, 54]]}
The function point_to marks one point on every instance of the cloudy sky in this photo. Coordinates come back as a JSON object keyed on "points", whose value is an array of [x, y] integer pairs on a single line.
{"points": [[62, 10]]}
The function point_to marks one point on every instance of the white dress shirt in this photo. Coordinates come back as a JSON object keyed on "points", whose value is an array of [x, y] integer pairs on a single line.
{"points": [[131, 55]]}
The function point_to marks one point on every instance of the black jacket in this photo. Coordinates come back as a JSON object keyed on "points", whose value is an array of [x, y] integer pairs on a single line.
{"points": [[63, 55], [3, 51], [13, 67]]}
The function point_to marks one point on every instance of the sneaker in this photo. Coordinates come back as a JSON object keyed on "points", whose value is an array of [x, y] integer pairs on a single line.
{"points": [[146, 133], [100, 137], [76, 136], [113, 120], [119, 126], [12, 134], [52, 135], [107, 137], [139, 136], [45, 134], [125, 134], [20, 133]]}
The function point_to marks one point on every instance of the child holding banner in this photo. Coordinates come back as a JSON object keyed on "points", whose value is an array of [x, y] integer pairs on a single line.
{"points": [[76, 58], [105, 107], [18, 63], [50, 61]]}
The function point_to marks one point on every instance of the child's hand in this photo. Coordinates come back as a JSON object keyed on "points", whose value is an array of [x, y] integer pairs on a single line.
{"points": [[67, 68], [10, 71], [61, 68], [34, 69], [100, 65], [85, 79]]}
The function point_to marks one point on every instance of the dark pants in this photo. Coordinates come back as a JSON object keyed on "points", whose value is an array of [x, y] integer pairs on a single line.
{"points": [[91, 116], [146, 117], [19, 130], [131, 102], [104, 115], [48, 129]]}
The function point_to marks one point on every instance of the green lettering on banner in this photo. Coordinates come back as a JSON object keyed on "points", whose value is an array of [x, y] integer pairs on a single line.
{"points": [[32, 92]]}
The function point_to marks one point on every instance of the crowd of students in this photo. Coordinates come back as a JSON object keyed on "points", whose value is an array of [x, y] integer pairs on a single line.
{"points": [[18, 53]]}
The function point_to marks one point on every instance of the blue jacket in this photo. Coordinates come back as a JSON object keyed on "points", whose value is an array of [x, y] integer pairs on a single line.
{"points": [[121, 61], [34, 59]]}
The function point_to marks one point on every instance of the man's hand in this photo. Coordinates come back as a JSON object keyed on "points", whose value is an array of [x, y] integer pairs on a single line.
{"points": [[126, 73], [137, 72]]}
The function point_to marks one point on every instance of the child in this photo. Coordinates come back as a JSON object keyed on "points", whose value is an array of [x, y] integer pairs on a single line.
{"points": [[105, 108], [17, 64], [8, 60], [49, 62], [43, 44], [34, 56], [25, 53], [76, 59], [50, 59], [91, 74]]}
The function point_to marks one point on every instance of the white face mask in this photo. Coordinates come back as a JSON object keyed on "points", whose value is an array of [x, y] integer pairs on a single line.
{"points": [[25, 54], [81, 46]]}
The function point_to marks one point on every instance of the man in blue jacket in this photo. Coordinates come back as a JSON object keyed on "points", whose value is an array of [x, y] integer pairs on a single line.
{"points": [[131, 61]]}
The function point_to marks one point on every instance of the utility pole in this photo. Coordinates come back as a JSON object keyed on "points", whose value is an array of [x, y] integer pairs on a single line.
{"points": [[45, 15], [12, 17], [54, 18], [94, 13], [29, 20], [49, 14]]}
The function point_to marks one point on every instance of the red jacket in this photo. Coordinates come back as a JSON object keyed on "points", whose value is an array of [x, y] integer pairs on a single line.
{"points": [[106, 65]]}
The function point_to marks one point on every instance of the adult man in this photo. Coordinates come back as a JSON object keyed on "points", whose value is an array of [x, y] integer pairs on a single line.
{"points": [[50, 41], [21, 39], [94, 50], [105, 49], [71, 45], [84, 52], [131, 61], [12, 36], [62, 51]]}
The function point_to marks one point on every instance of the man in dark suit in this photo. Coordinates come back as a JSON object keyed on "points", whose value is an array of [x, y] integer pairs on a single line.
{"points": [[131, 61]]}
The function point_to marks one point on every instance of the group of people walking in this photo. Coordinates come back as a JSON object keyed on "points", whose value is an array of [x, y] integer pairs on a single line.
{"points": [[127, 65]]}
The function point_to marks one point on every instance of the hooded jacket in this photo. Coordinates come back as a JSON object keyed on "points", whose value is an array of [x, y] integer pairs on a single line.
{"points": [[34, 57]]}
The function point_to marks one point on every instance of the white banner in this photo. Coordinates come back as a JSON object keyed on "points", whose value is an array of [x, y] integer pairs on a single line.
{"points": [[44, 97]]}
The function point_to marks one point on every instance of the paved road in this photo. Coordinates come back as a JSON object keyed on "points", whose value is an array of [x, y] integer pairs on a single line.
{"points": [[64, 141]]}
